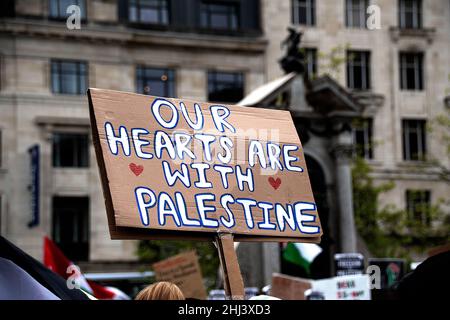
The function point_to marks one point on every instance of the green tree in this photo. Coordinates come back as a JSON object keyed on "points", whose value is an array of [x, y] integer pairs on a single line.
{"points": [[389, 231], [330, 62]]}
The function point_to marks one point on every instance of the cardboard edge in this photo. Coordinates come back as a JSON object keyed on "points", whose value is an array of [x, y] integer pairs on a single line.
{"points": [[100, 163], [232, 277], [190, 101], [318, 221], [130, 233]]}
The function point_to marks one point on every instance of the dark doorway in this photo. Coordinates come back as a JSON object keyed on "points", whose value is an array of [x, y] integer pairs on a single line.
{"points": [[71, 226], [320, 267]]}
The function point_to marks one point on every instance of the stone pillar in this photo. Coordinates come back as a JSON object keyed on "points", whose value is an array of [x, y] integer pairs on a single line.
{"points": [[298, 97], [258, 261], [271, 258], [343, 157], [251, 261]]}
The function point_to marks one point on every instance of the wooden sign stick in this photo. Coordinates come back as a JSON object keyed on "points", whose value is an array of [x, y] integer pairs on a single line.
{"points": [[233, 283]]}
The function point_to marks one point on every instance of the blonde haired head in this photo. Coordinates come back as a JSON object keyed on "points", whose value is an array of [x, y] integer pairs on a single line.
{"points": [[161, 291]]}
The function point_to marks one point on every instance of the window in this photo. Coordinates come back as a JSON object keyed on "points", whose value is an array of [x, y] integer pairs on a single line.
{"points": [[70, 150], [1, 212], [418, 206], [356, 13], [358, 70], [310, 62], [71, 226], [1, 149], [58, 8], [69, 77], [410, 14], [7, 9], [155, 81], [149, 11], [219, 15], [411, 71], [1, 67], [304, 12], [414, 140], [362, 138], [225, 86]]}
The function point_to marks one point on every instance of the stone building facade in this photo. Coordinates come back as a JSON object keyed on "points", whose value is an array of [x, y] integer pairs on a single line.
{"points": [[112, 49], [399, 73], [421, 30], [392, 58]]}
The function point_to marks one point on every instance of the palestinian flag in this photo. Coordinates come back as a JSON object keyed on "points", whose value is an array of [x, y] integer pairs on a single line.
{"points": [[56, 261], [301, 254]]}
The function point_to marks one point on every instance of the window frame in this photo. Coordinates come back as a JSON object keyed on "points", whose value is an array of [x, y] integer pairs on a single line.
{"points": [[407, 129], [367, 130], [171, 80], [84, 232], [205, 4], [159, 8], [2, 197], [417, 15], [236, 74], [78, 76], [84, 13], [311, 65], [79, 161], [418, 68], [310, 9], [415, 199], [366, 72], [363, 15], [1, 71], [1, 148]]}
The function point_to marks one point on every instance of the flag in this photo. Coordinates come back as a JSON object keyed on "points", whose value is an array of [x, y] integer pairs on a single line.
{"points": [[56, 261], [301, 254], [107, 293], [101, 292]]}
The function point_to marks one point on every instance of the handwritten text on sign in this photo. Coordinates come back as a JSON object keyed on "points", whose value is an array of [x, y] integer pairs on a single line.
{"points": [[179, 165]]}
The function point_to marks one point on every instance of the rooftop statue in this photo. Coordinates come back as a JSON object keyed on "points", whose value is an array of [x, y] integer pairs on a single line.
{"points": [[294, 58]]}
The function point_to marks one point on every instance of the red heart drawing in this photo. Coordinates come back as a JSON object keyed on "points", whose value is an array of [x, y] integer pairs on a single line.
{"points": [[275, 183], [136, 168]]}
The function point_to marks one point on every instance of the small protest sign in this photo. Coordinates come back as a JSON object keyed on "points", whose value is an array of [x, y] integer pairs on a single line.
{"points": [[184, 271], [348, 264], [351, 287], [391, 270]]}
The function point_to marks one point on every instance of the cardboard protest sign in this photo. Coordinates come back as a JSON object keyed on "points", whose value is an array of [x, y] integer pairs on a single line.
{"points": [[184, 271], [391, 270], [180, 169], [289, 288], [351, 287]]}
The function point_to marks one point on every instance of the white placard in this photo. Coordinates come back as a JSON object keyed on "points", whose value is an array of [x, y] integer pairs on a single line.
{"points": [[352, 287]]}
